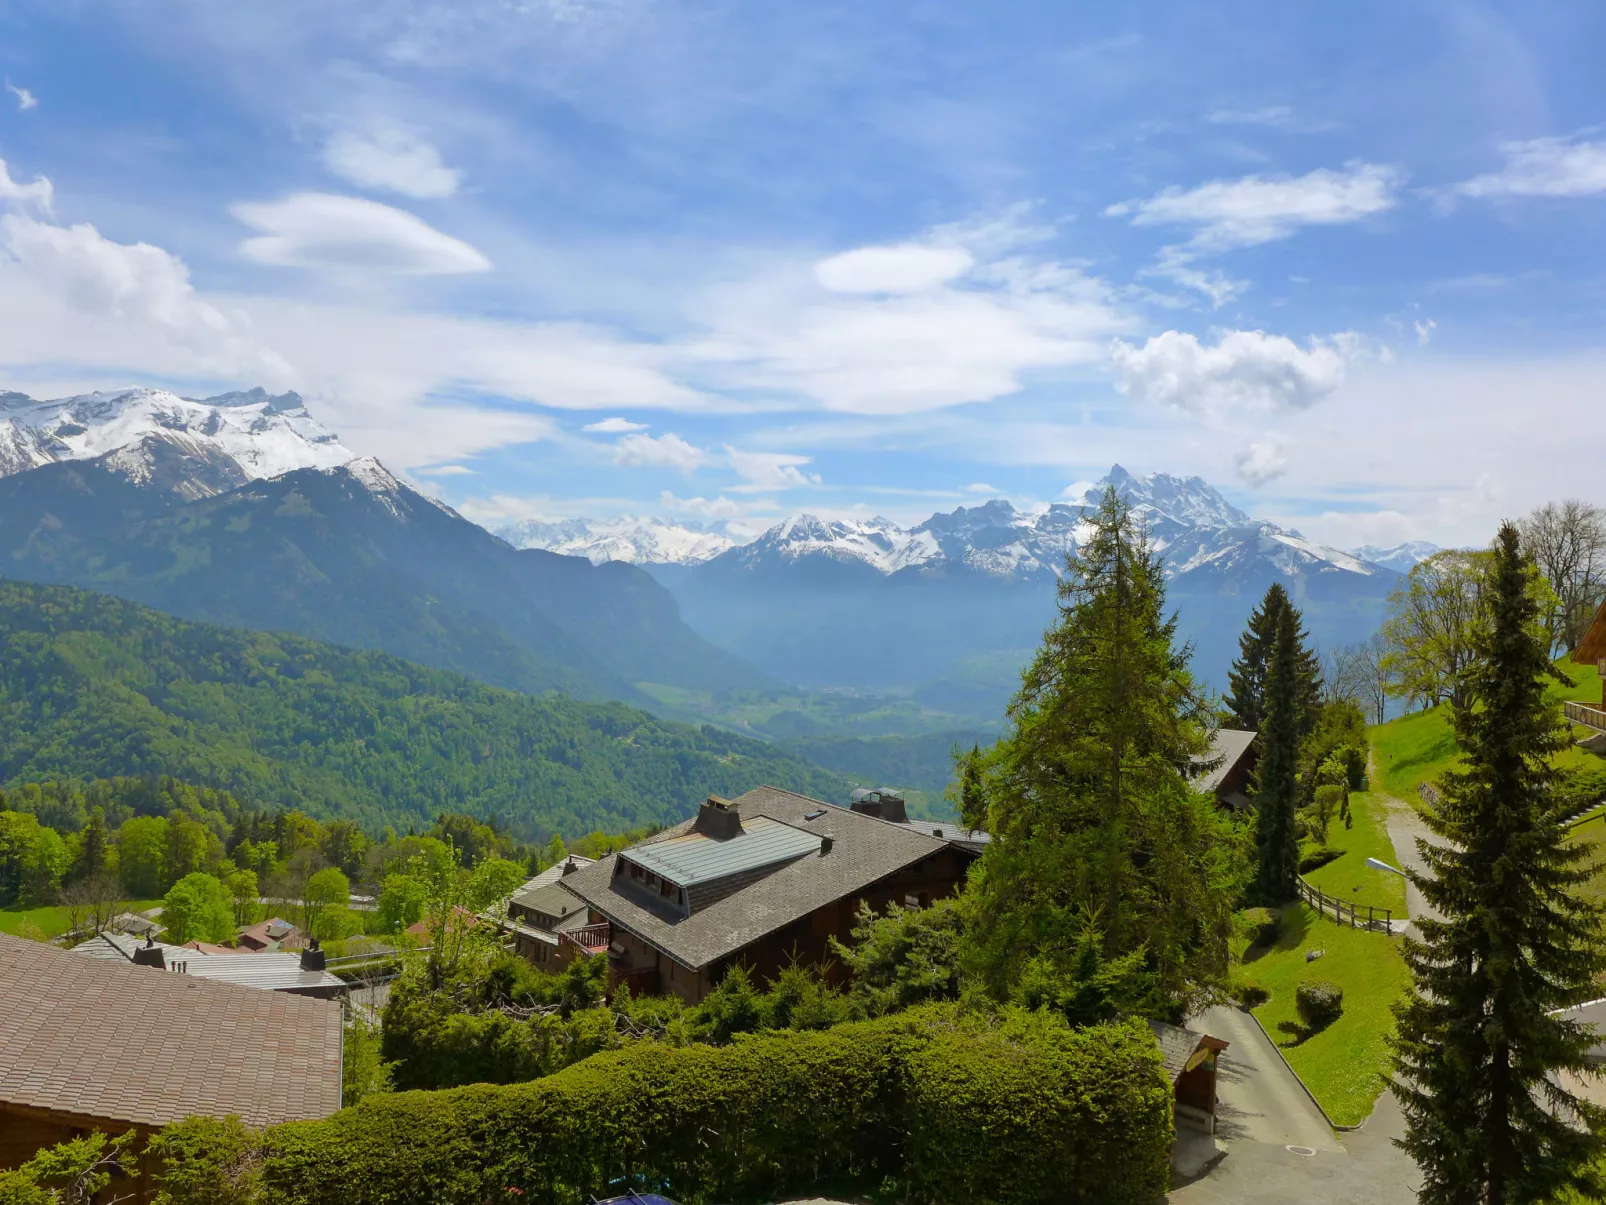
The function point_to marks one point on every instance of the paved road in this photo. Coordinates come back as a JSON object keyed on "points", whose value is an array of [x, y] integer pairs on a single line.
{"points": [[1263, 1110]]}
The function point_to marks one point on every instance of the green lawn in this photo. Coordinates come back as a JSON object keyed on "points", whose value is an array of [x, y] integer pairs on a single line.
{"points": [[51, 921], [1348, 877], [1420, 746], [1344, 1065]]}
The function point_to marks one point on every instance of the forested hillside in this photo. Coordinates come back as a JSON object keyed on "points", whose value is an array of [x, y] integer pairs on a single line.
{"points": [[93, 686]]}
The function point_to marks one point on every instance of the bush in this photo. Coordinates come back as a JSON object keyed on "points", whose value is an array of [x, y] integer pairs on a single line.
{"points": [[1320, 1002], [1250, 995], [960, 1108], [1264, 924], [1317, 858]]}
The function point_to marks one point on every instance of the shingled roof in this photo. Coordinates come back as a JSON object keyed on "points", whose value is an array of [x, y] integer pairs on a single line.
{"points": [[132, 1044], [863, 851], [1592, 647]]}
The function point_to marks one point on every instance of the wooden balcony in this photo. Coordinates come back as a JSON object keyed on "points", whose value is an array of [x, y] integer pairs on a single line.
{"points": [[590, 939], [1587, 715]]}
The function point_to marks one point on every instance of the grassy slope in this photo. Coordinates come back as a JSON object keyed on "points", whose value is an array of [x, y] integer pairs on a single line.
{"points": [[1419, 746], [50, 921], [1344, 1064], [1348, 877]]}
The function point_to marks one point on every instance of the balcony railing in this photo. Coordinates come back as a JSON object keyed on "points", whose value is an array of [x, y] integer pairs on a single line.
{"points": [[590, 938], [1588, 716]]}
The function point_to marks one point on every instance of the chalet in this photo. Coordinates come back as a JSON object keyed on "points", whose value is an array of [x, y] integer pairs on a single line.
{"points": [[1227, 770], [96, 1044], [302, 974], [275, 933], [1591, 650], [888, 804], [757, 881], [543, 910]]}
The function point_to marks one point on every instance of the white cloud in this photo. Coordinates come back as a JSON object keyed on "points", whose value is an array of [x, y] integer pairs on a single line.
{"points": [[320, 230], [981, 487], [614, 426], [25, 99], [392, 159], [1262, 461], [1424, 330], [1247, 372], [1261, 209], [907, 268], [68, 293], [1544, 167], [37, 193], [445, 470], [663, 451], [704, 508], [769, 470], [909, 353]]}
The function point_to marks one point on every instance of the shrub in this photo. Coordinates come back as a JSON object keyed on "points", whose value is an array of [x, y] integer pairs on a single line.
{"points": [[207, 1161], [961, 1108], [1264, 924], [1320, 1002], [1317, 858], [1250, 995]]}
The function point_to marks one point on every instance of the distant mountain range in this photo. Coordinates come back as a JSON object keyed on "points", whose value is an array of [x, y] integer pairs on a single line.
{"points": [[1401, 558], [229, 510], [950, 608], [242, 509]]}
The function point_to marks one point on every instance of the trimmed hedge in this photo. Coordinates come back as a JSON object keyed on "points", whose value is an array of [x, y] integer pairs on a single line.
{"points": [[1020, 1109], [1319, 1002]]}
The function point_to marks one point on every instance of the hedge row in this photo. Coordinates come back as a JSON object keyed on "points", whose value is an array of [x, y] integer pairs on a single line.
{"points": [[958, 1108]]}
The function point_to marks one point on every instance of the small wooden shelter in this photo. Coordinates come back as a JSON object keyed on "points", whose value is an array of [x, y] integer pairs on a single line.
{"points": [[1591, 650], [1190, 1063]]}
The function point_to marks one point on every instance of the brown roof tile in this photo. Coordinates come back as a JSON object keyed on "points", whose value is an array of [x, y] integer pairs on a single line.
{"points": [[135, 1044]]}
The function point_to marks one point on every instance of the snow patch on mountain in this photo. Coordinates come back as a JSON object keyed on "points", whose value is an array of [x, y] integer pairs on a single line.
{"points": [[1190, 524], [262, 434], [1401, 558], [638, 540]]}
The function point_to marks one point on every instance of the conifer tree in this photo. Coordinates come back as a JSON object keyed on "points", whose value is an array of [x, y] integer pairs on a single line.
{"points": [[1094, 820], [1247, 678], [1277, 774], [972, 798], [1478, 1042]]}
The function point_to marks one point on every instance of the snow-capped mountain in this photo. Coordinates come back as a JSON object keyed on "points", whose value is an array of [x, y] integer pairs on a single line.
{"points": [[1401, 558], [1190, 524], [626, 538], [150, 434]]}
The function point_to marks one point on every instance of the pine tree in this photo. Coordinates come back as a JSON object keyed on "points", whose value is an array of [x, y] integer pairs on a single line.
{"points": [[92, 852], [972, 796], [1478, 1040], [1247, 678], [1277, 775], [1093, 817]]}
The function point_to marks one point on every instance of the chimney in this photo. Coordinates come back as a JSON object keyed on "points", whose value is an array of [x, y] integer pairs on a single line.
{"points": [[883, 803], [826, 841], [312, 958], [568, 867], [150, 955], [717, 819]]}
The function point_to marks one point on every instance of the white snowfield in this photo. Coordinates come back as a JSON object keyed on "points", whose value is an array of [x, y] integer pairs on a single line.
{"points": [[264, 435], [638, 540]]}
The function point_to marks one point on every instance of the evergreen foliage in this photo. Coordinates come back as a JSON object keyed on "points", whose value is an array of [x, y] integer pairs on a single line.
{"points": [[1249, 676], [1479, 1042], [92, 686], [1277, 774], [1093, 817]]}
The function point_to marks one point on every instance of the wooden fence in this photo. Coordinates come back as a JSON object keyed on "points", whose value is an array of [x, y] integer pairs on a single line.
{"points": [[1588, 716], [1345, 913]]}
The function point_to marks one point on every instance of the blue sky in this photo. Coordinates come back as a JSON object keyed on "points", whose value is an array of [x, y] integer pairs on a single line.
{"points": [[733, 261]]}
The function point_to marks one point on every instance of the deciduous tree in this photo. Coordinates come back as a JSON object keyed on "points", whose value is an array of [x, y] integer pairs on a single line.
{"points": [[198, 908], [1480, 1039], [1567, 541]]}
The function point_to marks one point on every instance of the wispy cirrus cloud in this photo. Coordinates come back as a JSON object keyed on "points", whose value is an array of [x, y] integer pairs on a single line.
{"points": [[25, 99], [1542, 167], [392, 159]]}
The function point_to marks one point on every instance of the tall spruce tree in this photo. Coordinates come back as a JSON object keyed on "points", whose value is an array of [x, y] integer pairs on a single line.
{"points": [[1095, 825], [1277, 774], [1247, 677], [1478, 1042]]}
